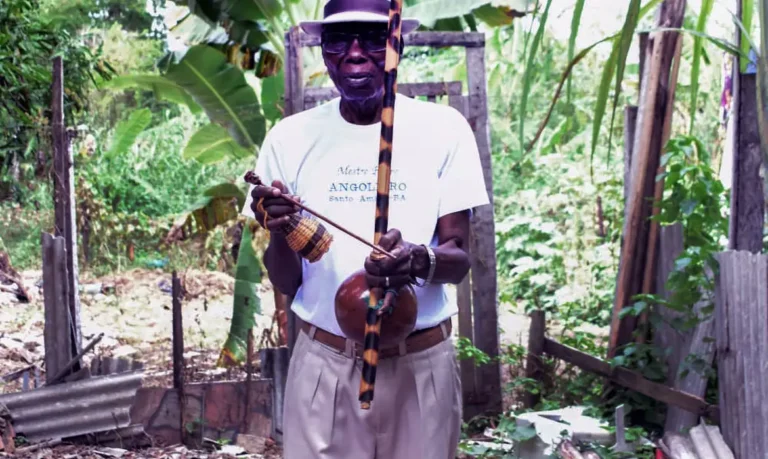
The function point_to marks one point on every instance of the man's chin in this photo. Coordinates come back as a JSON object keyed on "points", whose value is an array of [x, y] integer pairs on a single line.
{"points": [[360, 95]]}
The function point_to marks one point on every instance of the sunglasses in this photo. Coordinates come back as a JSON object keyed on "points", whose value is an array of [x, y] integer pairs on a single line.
{"points": [[340, 42]]}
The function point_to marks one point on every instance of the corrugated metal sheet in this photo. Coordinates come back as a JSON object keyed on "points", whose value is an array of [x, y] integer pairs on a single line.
{"points": [[76, 408]]}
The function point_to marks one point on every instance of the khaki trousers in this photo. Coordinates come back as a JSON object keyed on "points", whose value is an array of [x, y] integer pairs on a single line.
{"points": [[415, 413]]}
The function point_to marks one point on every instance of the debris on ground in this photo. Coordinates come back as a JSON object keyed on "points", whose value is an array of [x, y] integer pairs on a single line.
{"points": [[134, 313], [71, 451], [9, 277]]}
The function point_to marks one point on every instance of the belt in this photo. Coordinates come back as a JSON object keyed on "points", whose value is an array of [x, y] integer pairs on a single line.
{"points": [[417, 341]]}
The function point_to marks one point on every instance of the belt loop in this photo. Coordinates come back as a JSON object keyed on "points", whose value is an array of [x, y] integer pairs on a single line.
{"points": [[349, 348], [402, 348], [312, 330], [444, 330]]}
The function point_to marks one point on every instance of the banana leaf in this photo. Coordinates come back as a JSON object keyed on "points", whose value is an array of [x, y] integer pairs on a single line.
{"points": [[221, 90], [246, 301], [493, 12], [127, 131]]}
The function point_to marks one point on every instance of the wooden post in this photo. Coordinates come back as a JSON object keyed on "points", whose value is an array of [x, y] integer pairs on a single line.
{"points": [[482, 243], [178, 333], [533, 364], [64, 201], [747, 199], [58, 324], [294, 103], [741, 313], [178, 351]]}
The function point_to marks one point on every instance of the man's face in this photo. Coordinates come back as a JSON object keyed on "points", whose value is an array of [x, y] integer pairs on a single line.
{"points": [[354, 54]]}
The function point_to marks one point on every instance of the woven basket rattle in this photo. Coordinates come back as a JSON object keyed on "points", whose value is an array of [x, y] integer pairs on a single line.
{"points": [[305, 236]]}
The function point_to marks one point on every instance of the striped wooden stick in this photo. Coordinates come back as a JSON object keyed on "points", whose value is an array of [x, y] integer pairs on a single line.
{"points": [[373, 319]]}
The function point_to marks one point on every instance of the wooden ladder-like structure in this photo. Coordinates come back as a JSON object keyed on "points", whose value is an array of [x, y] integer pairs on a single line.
{"points": [[476, 295]]}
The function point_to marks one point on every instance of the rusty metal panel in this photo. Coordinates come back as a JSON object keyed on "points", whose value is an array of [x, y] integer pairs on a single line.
{"points": [[76, 408]]}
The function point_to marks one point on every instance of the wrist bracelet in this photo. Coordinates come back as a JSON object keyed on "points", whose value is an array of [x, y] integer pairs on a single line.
{"points": [[431, 271]]}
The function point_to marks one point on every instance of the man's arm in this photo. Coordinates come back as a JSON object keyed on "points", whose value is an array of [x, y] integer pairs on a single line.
{"points": [[283, 265], [451, 258]]}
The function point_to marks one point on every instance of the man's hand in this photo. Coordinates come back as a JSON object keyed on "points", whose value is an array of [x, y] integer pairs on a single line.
{"points": [[386, 272], [277, 209]]}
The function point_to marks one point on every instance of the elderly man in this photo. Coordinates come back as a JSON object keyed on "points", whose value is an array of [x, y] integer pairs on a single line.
{"points": [[327, 157]]}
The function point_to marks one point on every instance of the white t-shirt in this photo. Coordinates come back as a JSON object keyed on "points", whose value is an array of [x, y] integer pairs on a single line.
{"points": [[332, 165]]}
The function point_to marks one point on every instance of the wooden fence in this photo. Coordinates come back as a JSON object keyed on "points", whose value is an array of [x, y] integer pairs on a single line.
{"points": [[741, 325]]}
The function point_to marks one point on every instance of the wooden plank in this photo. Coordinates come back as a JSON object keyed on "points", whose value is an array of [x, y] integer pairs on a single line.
{"points": [[631, 380], [313, 96], [645, 162], [666, 337], [630, 121], [747, 199], [57, 337], [482, 243], [430, 39], [64, 200], [534, 366], [742, 349], [469, 382], [699, 343], [294, 73], [658, 193]]}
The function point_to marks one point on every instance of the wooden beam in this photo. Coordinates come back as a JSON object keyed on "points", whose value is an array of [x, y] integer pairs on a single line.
{"points": [[631, 380], [483, 245], [747, 199]]}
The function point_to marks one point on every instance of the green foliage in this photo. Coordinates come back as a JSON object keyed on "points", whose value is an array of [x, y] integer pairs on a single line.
{"points": [[127, 131], [221, 90], [550, 252], [131, 15], [212, 144], [694, 198], [494, 13], [28, 42], [698, 50]]}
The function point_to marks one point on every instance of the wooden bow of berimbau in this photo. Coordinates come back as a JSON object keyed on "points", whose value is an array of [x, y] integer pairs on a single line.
{"points": [[373, 320]]}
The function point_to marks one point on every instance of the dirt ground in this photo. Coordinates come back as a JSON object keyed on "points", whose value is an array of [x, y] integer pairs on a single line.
{"points": [[135, 317]]}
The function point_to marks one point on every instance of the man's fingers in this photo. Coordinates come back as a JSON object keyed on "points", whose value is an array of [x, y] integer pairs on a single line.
{"points": [[279, 211], [395, 281], [280, 186], [276, 224], [390, 239]]}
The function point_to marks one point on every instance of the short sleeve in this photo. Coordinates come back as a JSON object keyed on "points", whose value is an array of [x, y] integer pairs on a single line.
{"points": [[269, 167], [461, 183]]}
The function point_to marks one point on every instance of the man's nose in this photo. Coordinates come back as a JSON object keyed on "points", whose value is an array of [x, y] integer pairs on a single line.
{"points": [[355, 52]]}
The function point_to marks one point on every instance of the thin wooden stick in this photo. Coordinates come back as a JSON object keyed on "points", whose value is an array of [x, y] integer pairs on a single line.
{"points": [[253, 179]]}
